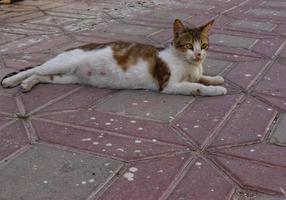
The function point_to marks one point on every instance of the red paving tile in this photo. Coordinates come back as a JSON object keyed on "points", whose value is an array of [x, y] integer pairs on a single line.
{"points": [[193, 123], [12, 138], [255, 175], [153, 176], [120, 124], [113, 144], [8, 105], [203, 182], [210, 148], [243, 126], [42, 94]]}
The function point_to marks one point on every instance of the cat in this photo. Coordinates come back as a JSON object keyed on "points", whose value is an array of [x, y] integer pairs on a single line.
{"points": [[176, 69]]}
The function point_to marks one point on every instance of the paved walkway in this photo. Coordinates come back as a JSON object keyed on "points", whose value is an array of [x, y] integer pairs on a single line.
{"points": [[75, 142]]}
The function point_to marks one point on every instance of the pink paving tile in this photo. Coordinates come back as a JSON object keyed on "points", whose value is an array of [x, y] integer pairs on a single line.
{"points": [[202, 182], [52, 20], [19, 45], [20, 62], [42, 94], [146, 180], [120, 124], [115, 36], [28, 16], [150, 21], [5, 119], [231, 87], [245, 73], [12, 138], [85, 97], [266, 153], [249, 122], [229, 56], [49, 44], [7, 37], [274, 78], [233, 51], [268, 46], [29, 29], [275, 97], [33, 58], [204, 115], [254, 175], [112, 144], [8, 104], [162, 36]]}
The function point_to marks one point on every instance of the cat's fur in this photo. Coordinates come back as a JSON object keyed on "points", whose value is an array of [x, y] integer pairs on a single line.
{"points": [[122, 65]]}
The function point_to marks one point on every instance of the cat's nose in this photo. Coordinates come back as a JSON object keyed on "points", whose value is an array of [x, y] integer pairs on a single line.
{"points": [[197, 55]]}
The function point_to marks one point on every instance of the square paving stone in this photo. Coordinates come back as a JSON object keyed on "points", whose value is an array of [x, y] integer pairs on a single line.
{"points": [[232, 41], [267, 12], [253, 25], [47, 173], [144, 104], [279, 134]]}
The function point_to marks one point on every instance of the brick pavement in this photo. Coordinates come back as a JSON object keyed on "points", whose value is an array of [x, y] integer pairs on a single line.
{"points": [[76, 142]]}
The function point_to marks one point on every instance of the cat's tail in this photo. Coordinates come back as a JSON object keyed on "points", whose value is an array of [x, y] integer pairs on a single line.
{"points": [[14, 76]]}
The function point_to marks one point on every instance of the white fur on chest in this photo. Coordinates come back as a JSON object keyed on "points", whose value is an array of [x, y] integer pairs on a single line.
{"points": [[181, 70]]}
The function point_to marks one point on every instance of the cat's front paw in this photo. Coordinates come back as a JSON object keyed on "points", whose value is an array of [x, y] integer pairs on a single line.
{"points": [[220, 90], [215, 91], [218, 80]]}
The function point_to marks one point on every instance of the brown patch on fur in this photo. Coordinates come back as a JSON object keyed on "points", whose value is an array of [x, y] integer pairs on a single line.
{"points": [[127, 54], [160, 72]]}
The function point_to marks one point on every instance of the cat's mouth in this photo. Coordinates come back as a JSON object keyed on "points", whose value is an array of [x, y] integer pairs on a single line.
{"points": [[194, 60]]}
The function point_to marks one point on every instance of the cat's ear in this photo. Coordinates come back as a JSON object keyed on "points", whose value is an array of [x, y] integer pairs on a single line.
{"points": [[178, 28], [205, 29]]}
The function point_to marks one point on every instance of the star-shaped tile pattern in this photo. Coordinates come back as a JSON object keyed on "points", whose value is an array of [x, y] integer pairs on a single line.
{"points": [[109, 144]]}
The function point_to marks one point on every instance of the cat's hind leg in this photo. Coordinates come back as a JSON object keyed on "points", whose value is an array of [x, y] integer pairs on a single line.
{"points": [[15, 78], [35, 79], [64, 63]]}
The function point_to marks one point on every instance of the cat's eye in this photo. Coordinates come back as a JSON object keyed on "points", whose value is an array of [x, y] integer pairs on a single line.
{"points": [[204, 46], [189, 46]]}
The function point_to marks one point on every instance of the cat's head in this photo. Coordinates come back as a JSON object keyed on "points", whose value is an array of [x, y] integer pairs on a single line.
{"points": [[191, 43]]}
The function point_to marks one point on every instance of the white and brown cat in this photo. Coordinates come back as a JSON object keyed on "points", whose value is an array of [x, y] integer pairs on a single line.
{"points": [[176, 69]]}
